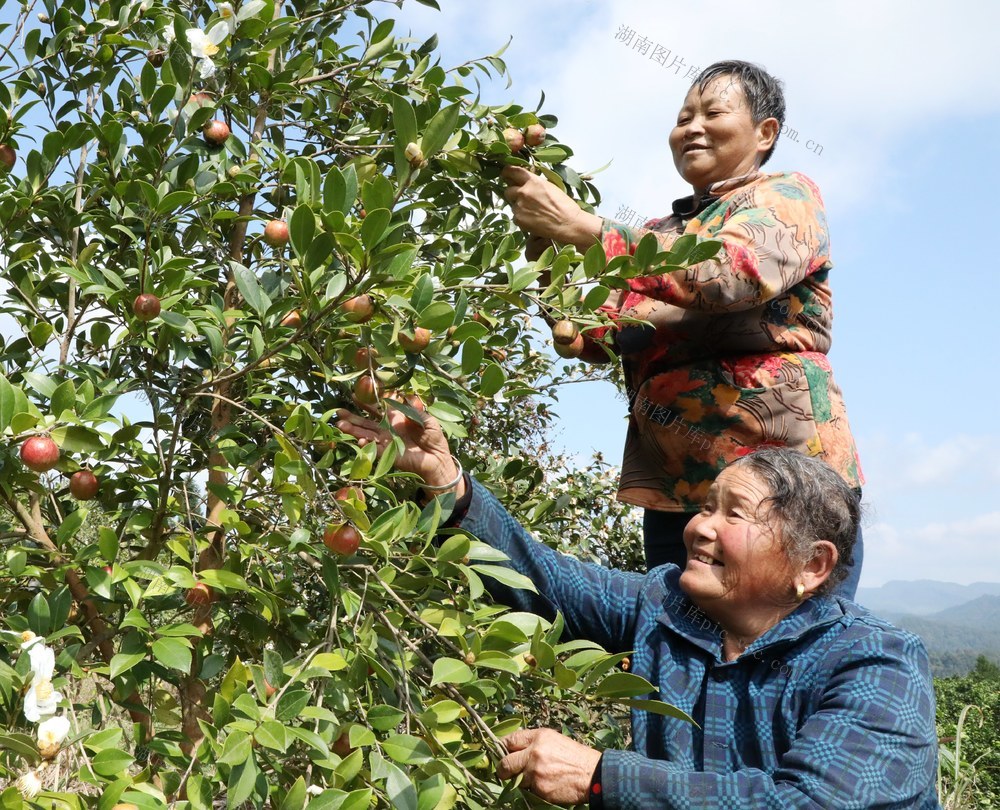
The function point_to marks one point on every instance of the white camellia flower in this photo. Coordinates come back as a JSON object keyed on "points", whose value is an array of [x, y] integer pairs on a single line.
{"points": [[51, 734], [206, 45], [41, 699], [28, 638], [230, 18], [29, 785]]}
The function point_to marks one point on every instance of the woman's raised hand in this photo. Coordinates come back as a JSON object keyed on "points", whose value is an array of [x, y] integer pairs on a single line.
{"points": [[542, 209], [425, 448]]}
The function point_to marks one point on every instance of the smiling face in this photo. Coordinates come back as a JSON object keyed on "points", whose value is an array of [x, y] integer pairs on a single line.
{"points": [[737, 570], [715, 137]]}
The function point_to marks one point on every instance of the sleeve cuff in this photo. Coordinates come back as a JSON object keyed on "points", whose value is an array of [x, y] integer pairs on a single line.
{"points": [[596, 797]]}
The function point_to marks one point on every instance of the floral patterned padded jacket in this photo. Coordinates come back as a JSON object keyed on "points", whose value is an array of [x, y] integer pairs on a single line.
{"points": [[735, 353]]}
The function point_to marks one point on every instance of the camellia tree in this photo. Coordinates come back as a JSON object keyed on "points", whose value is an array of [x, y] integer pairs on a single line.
{"points": [[218, 225]]}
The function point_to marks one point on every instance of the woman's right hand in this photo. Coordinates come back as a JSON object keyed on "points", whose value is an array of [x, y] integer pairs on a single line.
{"points": [[425, 449]]}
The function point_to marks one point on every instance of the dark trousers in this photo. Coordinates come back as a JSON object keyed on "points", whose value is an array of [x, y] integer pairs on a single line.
{"points": [[663, 538]]}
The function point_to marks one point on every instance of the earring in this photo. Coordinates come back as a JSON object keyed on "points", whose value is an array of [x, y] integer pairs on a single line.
{"points": [[800, 591]]}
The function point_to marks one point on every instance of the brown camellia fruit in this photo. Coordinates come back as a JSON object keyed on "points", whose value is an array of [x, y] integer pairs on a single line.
{"points": [[534, 135], [200, 594], [7, 157], [146, 306], [341, 538], [156, 57], [40, 453], [367, 391], [514, 138], [358, 309], [364, 356], [570, 350], [83, 485], [420, 340], [216, 132], [276, 233], [292, 320], [342, 745], [564, 332]]}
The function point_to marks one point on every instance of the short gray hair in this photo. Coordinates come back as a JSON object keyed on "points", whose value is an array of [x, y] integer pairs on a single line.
{"points": [[810, 502], [763, 92]]}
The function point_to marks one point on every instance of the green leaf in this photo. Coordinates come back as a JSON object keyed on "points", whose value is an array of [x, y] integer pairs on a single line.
{"points": [[622, 685], [123, 662], [70, 525], [439, 129], [272, 734], [492, 380], [646, 250], [596, 297], [454, 548], [373, 227], [301, 229], [109, 762], [659, 707], [402, 794], [12, 401], [437, 317], [63, 399], [472, 356], [291, 704], [451, 670], [404, 120], [407, 750], [22, 744], [42, 383], [174, 653], [250, 289], [76, 439], [506, 576], [295, 798], [423, 293], [242, 782], [385, 718], [703, 251]]}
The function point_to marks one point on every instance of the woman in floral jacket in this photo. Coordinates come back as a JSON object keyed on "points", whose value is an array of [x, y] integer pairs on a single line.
{"points": [[733, 356]]}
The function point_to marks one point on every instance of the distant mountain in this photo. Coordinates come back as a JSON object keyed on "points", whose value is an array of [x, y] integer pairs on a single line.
{"points": [[956, 636], [922, 597]]}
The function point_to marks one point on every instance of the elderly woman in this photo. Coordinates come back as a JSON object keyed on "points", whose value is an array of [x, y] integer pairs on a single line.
{"points": [[802, 699], [734, 356]]}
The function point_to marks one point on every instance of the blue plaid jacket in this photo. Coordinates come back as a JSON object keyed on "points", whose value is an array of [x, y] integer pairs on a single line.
{"points": [[832, 708]]}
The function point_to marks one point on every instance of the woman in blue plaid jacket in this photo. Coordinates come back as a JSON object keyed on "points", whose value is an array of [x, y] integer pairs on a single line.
{"points": [[802, 699]]}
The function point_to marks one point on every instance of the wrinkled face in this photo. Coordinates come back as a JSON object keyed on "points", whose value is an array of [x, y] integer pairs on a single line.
{"points": [[736, 567], [715, 137]]}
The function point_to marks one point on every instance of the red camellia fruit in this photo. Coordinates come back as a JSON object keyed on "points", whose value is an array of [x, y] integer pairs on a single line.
{"points": [[40, 453], [514, 138], [534, 135], [420, 340], [7, 157], [341, 538], [83, 485], [364, 356], [146, 306], [216, 132], [358, 309], [346, 493], [276, 233], [569, 350], [202, 99], [564, 332], [367, 391], [200, 594], [292, 320]]}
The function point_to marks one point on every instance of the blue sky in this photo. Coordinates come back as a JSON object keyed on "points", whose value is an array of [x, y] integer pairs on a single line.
{"points": [[902, 99]]}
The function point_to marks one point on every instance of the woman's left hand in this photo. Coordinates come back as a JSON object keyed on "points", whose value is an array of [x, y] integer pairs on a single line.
{"points": [[552, 766], [425, 448], [542, 209]]}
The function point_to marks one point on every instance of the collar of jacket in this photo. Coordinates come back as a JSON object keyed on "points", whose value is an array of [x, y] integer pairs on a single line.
{"points": [[685, 619], [688, 207]]}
